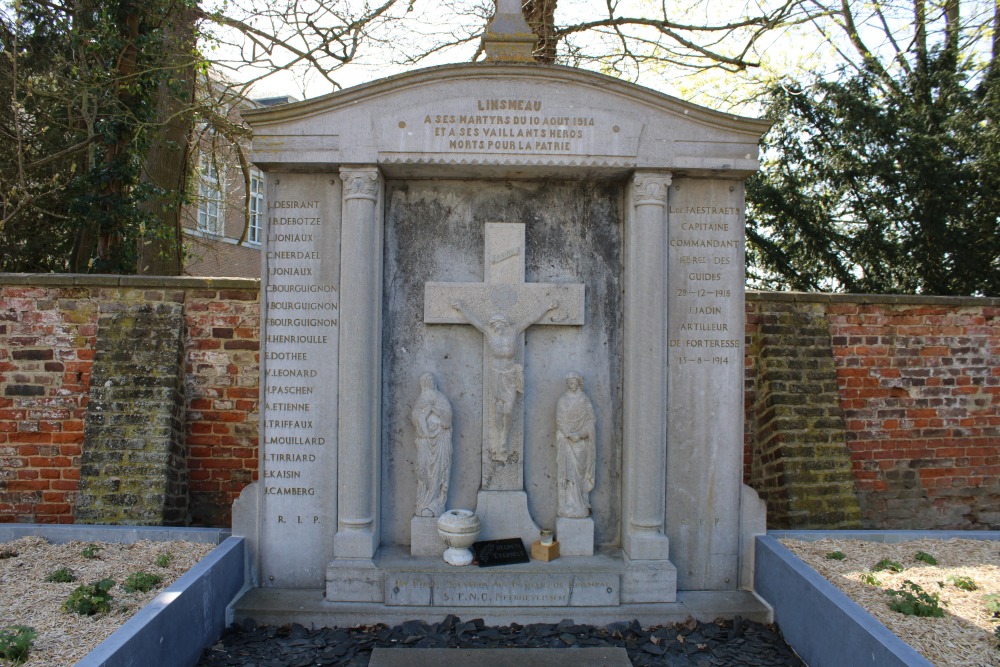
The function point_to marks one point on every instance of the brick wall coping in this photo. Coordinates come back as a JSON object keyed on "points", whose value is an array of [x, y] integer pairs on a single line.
{"points": [[889, 299], [198, 282], [92, 280]]}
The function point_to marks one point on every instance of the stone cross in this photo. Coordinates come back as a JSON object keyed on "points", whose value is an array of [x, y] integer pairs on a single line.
{"points": [[508, 37], [502, 307]]}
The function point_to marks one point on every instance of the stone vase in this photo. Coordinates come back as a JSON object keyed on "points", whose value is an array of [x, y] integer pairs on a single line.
{"points": [[459, 529]]}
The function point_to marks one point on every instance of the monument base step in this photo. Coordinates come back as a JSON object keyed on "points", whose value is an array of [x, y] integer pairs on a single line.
{"points": [[398, 579], [500, 657], [309, 607]]}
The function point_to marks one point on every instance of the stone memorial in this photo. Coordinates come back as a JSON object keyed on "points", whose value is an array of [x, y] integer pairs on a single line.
{"points": [[513, 289]]}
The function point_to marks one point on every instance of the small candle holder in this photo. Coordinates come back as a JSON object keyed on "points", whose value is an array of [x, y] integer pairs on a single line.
{"points": [[546, 548]]}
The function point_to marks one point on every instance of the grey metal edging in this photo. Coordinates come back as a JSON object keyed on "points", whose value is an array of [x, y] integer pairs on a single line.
{"points": [[62, 533], [885, 536], [823, 625], [172, 630]]}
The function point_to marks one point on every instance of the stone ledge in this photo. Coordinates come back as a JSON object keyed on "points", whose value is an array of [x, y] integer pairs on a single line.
{"points": [[872, 299], [278, 606], [499, 657], [89, 280]]}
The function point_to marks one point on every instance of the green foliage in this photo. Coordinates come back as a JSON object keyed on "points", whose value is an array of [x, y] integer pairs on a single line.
{"points": [[887, 564], [836, 555], [91, 551], [63, 575], [964, 583], [993, 604], [912, 600], [870, 579], [7, 551], [15, 643], [142, 582], [83, 89], [90, 599], [164, 559], [925, 557], [876, 185]]}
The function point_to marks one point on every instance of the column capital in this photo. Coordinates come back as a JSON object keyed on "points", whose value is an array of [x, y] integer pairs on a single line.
{"points": [[360, 182], [651, 187]]}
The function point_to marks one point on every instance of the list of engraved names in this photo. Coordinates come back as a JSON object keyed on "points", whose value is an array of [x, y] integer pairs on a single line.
{"points": [[301, 324]]}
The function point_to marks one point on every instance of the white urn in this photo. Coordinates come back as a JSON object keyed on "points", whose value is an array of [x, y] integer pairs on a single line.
{"points": [[459, 529]]}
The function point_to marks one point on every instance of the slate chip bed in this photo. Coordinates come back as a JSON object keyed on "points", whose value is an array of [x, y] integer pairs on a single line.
{"points": [[691, 644]]}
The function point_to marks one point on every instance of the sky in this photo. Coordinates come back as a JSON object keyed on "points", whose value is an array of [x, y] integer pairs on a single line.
{"points": [[411, 25]]}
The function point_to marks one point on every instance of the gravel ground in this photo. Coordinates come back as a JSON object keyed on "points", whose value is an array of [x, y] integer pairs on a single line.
{"points": [[964, 635], [63, 638], [691, 644]]}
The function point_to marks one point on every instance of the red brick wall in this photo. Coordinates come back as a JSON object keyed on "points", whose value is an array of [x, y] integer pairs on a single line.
{"points": [[47, 337], [919, 381], [48, 329], [221, 380]]}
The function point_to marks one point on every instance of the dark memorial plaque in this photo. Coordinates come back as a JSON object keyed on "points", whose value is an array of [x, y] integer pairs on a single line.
{"points": [[500, 552]]}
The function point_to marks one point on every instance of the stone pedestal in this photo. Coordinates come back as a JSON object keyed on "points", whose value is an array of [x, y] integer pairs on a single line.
{"points": [[576, 536], [505, 514], [424, 537]]}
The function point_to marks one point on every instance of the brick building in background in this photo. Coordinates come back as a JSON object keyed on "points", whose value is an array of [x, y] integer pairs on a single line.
{"points": [[220, 238]]}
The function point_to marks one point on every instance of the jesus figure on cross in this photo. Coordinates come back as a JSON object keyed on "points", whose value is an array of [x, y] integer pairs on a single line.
{"points": [[506, 375]]}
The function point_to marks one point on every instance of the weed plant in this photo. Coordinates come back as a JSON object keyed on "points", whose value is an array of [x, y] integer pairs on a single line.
{"points": [[925, 557], [836, 555], [888, 564], [993, 604], [964, 583], [63, 575], [912, 600], [142, 582], [870, 579], [15, 643], [91, 551], [90, 599]]}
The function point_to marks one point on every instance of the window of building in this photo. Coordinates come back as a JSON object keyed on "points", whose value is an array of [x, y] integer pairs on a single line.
{"points": [[256, 207], [211, 202]]}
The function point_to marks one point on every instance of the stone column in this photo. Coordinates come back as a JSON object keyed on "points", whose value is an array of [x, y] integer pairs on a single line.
{"points": [[360, 335], [646, 367]]}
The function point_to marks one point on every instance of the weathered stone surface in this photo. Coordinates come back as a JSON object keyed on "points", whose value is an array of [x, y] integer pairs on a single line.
{"points": [[133, 466]]}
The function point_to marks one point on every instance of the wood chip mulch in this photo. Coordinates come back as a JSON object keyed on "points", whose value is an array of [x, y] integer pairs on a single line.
{"points": [[965, 636], [64, 638]]}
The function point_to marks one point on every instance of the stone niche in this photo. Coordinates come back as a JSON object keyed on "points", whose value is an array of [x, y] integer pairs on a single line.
{"points": [[602, 221]]}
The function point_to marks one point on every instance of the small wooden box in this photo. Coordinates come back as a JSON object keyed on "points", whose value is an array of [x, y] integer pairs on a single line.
{"points": [[545, 553]]}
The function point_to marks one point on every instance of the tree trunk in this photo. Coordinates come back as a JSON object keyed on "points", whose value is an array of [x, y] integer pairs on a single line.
{"points": [[541, 18], [166, 165]]}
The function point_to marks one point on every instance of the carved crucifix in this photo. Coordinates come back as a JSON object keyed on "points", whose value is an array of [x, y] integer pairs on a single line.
{"points": [[502, 307]]}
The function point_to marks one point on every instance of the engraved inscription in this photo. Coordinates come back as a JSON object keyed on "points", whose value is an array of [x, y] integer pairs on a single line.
{"points": [[504, 590], [511, 126], [708, 255], [292, 345]]}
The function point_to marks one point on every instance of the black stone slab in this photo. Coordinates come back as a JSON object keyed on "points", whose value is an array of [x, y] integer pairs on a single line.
{"points": [[500, 552], [500, 657]]}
